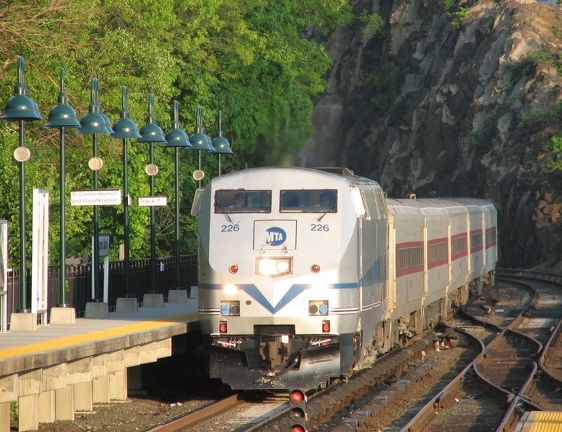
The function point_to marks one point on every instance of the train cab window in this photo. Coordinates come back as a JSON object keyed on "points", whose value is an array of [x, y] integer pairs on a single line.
{"points": [[308, 201], [242, 201]]}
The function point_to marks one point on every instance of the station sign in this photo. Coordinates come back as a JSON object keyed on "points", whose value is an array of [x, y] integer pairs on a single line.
{"points": [[153, 201], [103, 244], [100, 197]]}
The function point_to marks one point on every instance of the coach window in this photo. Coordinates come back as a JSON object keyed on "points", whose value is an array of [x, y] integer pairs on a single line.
{"points": [[242, 201], [308, 201], [475, 241], [491, 237]]}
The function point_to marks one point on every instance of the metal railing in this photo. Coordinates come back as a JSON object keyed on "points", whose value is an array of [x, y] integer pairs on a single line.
{"points": [[79, 282]]}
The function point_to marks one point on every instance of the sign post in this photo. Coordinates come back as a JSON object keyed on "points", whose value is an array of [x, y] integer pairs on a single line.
{"points": [[103, 246], [98, 197], [40, 254], [3, 275]]}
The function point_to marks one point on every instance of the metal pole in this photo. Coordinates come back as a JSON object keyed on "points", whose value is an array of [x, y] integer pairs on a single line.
{"points": [[96, 257], [126, 217], [199, 166], [62, 293], [152, 228], [177, 218], [23, 289]]}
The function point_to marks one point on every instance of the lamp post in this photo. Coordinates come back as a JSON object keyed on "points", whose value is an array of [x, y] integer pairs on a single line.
{"points": [[62, 116], [200, 142], [126, 128], [152, 133], [95, 123], [220, 143], [178, 139], [21, 107]]}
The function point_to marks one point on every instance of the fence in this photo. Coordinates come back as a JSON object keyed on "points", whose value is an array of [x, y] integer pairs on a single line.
{"points": [[79, 282]]}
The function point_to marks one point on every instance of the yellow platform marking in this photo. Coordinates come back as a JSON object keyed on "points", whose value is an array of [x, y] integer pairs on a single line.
{"points": [[543, 421], [93, 336]]}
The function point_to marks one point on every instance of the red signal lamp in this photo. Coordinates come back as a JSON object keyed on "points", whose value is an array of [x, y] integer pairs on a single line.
{"points": [[297, 411], [223, 328]]}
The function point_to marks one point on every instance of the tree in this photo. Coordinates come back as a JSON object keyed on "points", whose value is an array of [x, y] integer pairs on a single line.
{"points": [[250, 59]]}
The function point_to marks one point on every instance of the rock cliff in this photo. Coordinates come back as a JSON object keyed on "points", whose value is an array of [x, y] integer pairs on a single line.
{"points": [[454, 99]]}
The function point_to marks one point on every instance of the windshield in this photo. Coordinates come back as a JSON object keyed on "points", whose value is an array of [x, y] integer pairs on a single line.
{"points": [[308, 200], [290, 201], [242, 201]]}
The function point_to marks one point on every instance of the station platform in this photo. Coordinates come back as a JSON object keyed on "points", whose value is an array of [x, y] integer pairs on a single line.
{"points": [[50, 373]]}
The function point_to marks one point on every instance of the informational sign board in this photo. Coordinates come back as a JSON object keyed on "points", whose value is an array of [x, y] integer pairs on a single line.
{"points": [[99, 197], [153, 201], [40, 254], [195, 206], [103, 244]]}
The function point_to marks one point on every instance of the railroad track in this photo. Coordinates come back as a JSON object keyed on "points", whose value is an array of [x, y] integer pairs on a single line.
{"points": [[245, 411], [509, 363], [270, 411], [504, 377]]}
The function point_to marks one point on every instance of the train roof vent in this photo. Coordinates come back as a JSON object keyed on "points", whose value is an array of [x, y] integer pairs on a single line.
{"points": [[337, 170]]}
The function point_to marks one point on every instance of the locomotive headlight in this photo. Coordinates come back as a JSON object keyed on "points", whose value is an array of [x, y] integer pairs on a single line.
{"points": [[274, 266], [230, 289], [318, 307], [230, 308]]}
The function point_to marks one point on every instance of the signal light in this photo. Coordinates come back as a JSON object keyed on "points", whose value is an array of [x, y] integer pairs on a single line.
{"points": [[326, 326], [297, 411], [223, 328], [233, 268]]}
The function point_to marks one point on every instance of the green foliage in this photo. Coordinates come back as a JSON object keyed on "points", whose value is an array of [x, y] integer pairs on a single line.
{"points": [[549, 121], [553, 162], [459, 16], [557, 27], [14, 412], [525, 67], [551, 117], [376, 82], [248, 59], [474, 139], [373, 24], [556, 144], [520, 69]]}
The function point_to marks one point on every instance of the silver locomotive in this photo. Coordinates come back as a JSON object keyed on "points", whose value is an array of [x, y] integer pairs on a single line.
{"points": [[306, 275]]}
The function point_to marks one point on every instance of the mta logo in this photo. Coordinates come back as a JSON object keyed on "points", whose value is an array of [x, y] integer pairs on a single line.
{"points": [[275, 236]]}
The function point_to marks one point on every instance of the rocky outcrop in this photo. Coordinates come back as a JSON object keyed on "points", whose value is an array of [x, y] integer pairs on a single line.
{"points": [[458, 102]]}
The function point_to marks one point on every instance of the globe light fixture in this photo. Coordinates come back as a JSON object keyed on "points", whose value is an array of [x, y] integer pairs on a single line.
{"points": [[177, 139], [21, 108], [220, 143], [62, 116], [125, 128], [95, 123], [200, 142], [152, 133]]}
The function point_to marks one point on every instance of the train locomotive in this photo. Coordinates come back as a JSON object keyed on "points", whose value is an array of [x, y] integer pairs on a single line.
{"points": [[306, 275]]}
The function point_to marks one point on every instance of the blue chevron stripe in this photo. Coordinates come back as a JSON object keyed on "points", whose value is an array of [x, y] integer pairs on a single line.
{"points": [[293, 292]]}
